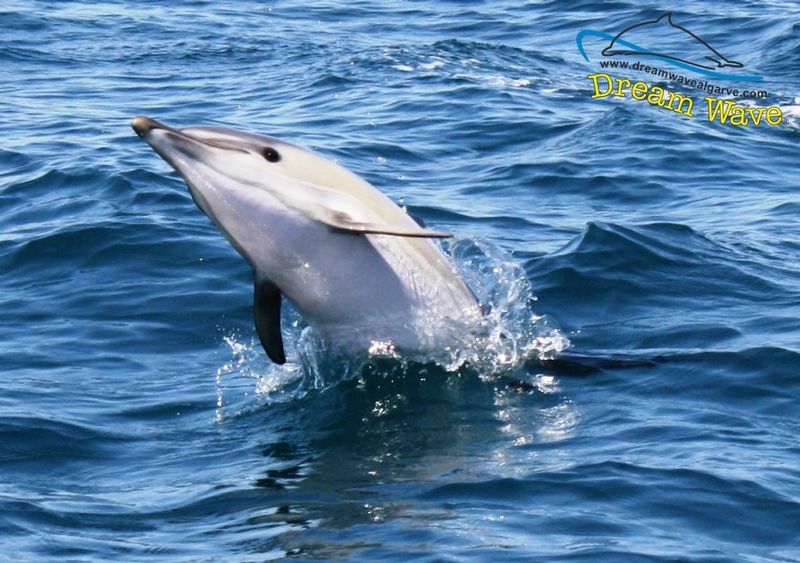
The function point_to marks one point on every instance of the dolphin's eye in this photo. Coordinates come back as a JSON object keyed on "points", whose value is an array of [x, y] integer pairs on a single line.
{"points": [[270, 154]]}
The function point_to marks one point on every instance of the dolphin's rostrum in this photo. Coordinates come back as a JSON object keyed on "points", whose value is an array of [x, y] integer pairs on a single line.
{"points": [[354, 264]]}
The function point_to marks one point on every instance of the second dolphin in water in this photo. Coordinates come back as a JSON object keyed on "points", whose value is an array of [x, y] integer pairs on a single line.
{"points": [[354, 264]]}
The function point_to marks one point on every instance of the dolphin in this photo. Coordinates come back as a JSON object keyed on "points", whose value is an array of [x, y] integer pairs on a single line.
{"points": [[353, 263], [672, 41]]}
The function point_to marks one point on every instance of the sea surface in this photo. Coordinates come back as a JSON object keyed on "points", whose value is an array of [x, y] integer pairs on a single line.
{"points": [[643, 267]]}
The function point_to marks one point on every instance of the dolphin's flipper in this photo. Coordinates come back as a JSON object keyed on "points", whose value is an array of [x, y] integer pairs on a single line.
{"points": [[267, 314], [341, 221], [343, 212]]}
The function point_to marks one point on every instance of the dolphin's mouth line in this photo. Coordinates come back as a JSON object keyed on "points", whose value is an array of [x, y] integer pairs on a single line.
{"points": [[143, 125]]}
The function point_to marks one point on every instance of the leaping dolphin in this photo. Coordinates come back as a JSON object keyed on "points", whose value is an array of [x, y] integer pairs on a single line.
{"points": [[353, 263]]}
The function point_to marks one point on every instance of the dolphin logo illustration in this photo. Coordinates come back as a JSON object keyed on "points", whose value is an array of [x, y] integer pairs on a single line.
{"points": [[671, 41], [353, 263]]}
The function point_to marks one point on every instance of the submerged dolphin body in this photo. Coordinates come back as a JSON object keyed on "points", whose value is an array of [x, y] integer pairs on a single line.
{"points": [[354, 264]]}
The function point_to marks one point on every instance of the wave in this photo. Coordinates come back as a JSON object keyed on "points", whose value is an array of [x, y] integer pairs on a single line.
{"points": [[33, 442], [675, 497]]}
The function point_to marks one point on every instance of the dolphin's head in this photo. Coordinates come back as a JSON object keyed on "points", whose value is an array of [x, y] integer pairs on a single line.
{"points": [[216, 161], [239, 179]]}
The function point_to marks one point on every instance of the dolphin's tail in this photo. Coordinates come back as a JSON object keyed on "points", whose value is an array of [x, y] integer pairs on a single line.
{"points": [[734, 64], [721, 61]]}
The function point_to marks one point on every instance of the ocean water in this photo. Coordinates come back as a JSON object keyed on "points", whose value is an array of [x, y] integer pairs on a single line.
{"points": [[141, 421]]}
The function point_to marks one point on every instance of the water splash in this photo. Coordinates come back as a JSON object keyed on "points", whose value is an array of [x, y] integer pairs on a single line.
{"points": [[509, 334], [244, 376]]}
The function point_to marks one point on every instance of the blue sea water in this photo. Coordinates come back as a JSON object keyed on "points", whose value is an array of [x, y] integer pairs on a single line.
{"points": [[141, 421]]}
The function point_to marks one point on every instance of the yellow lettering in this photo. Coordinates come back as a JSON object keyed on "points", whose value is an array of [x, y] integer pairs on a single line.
{"points": [[774, 115], [755, 114], [681, 100], [721, 110], [656, 96], [719, 107], [595, 78], [620, 86], [639, 91], [737, 116]]}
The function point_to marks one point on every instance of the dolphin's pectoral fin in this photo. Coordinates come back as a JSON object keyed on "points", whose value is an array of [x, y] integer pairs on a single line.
{"points": [[375, 229], [345, 213], [341, 221], [267, 315]]}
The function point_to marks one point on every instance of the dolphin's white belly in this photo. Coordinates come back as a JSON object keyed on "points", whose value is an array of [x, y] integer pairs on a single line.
{"points": [[355, 287]]}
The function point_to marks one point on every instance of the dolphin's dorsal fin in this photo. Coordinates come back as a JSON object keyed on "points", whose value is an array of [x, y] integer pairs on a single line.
{"points": [[267, 314]]}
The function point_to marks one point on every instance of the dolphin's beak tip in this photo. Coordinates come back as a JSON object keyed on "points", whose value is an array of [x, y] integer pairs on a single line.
{"points": [[141, 125]]}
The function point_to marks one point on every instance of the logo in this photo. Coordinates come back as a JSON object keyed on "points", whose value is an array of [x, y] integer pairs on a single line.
{"points": [[663, 49], [662, 39], [697, 52]]}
